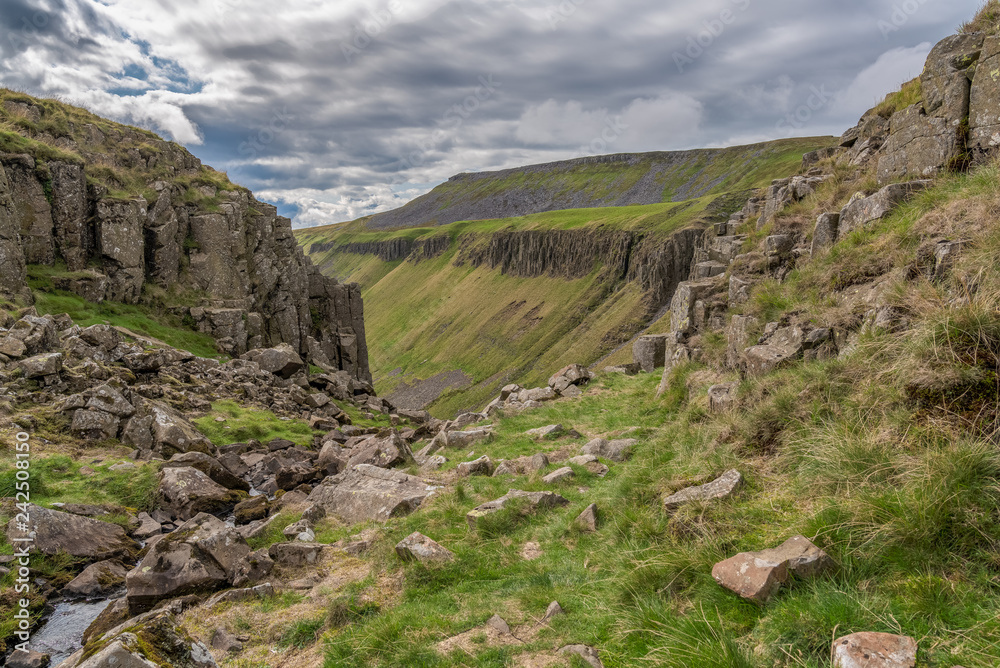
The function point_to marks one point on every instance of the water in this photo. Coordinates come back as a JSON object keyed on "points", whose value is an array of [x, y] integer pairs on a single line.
{"points": [[62, 634]]}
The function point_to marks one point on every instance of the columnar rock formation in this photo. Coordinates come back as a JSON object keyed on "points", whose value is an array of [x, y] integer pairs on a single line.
{"points": [[234, 254]]}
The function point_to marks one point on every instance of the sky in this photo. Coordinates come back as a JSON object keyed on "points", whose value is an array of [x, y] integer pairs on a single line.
{"points": [[337, 110]]}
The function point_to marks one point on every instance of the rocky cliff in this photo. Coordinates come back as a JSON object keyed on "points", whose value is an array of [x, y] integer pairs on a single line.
{"points": [[121, 215]]}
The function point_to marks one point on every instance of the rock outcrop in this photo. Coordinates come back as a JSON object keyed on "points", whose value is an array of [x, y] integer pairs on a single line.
{"points": [[189, 236]]}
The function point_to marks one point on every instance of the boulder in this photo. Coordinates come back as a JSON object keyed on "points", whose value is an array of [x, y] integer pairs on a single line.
{"points": [[201, 556], [153, 639], [588, 654], [98, 580], [481, 466], [826, 232], [945, 82], [54, 531], [558, 475], [617, 451], [862, 211], [110, 400], [722, 397], [550, 431], [90, 284], [148, 527], [151, 361], [40, 366], [650, 352], [387, 450], [784, 345], [366, 492], [591, 463], [758, 575], [919, 145], [254, 567], [281, 360], [537, 462], [249, 510], [534, 501], [12, 348], [210, 466], [984, 103], [172, 433], [295, 554], [37, 334], [874, 650], [587, 520], [569, 376], [94, 425], [418, 547], [682, 305], [463, 439], [29, 659], [185, 492], [721, 488]]}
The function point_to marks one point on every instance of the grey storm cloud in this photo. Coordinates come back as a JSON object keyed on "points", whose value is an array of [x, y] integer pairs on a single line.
{"points": [[337, 110]]}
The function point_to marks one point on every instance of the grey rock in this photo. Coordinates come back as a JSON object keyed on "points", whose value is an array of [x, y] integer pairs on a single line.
{"points": [[535, 500], [55, 531], [281, 360], [369, 493], [296, 554], [418, 547], [550, 431], [721, 488], [722, 397], [649, 352], [587, 520], [94, 425], [39, 366], [98, 580], [861, 211], [617, 450], [826, 231], [919, 146], [481, 466], [185, 491], [984, 103], [558, 475], [589, 655], [29, 659]]}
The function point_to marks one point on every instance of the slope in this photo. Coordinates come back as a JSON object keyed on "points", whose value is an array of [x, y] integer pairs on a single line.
{"points": [[471, 306]]}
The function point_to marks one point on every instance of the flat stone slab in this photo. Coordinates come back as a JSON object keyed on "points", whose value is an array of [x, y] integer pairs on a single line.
{"points": [[367, 492], [549, 431], [559, 474], [54, 531], [617, 450], [758, 575], [535, 500], [874, 650], [720, 488], [418, 547]]}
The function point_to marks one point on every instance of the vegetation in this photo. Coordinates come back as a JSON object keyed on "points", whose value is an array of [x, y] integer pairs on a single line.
{"points": [[228, 422], [987, 19], [911, 93]]}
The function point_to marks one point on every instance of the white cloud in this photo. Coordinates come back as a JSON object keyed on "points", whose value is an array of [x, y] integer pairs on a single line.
{"points": [[892, 69]]}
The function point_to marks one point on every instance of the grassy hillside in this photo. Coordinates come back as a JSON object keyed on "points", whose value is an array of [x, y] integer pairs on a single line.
{"points": [[600, 181], [443, 315]]}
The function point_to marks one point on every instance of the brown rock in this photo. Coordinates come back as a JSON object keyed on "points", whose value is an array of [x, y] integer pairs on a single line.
{"points": [[758, 575], [874, 650], [418, 547]]}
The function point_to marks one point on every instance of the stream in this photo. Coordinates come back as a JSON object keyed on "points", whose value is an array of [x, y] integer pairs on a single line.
{"points": [[62, 633]]}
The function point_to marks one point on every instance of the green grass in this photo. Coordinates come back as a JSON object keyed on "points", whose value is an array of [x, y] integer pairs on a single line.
{"points": [[149, 319], [242, 424]]}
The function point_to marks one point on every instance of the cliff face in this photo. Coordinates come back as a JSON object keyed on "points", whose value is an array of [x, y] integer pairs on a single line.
{"points": [[186, 230]]}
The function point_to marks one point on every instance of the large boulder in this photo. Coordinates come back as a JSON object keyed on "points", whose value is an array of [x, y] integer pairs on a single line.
{"points": [[40, 366], [984, 103], [568, 376], [172, 433], [185, 492], [201, 556], [533, 500], [281, 360], [98, 580], [210, 466], [861, 210], [758, 575], [94, 425], [119, 232], [686, 297], [38, 334], [151, 361], [366, 492], [54, 531], [650, 352], [874, 650], [386, 450], [153, 639], [919, 146], [945, 82]]}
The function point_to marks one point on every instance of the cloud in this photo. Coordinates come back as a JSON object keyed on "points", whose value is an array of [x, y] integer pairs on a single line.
{"points": [[335, 110]]}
